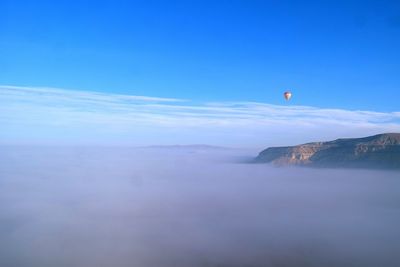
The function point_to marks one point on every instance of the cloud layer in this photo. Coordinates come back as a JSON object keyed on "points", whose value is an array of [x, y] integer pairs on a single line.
{"points": [[31, 114], [174, 207]]}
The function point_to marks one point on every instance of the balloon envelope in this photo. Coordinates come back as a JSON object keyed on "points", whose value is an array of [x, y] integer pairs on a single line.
{"points": [[287, 95]]}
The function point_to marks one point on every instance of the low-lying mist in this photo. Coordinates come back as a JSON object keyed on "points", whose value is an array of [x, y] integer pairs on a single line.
{"points": [[193, 206]]}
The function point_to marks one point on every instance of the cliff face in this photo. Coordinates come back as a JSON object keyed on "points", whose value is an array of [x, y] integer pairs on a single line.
{"points": [[378, 151]]}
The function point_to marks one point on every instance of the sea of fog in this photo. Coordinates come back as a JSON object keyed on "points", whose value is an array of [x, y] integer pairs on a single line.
{"points": [[190, 206]]}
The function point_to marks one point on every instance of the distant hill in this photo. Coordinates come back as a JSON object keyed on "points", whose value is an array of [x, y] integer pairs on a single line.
{"points": [[378, 151], [186, 147]]}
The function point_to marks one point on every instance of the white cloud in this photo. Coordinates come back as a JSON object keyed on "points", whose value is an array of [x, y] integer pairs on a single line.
{"points": [[58, 115]]}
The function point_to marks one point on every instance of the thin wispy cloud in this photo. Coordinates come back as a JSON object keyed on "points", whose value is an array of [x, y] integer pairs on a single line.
{"points": [[69, 115]]}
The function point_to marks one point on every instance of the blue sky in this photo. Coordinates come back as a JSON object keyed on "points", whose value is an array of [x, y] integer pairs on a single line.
{"points": [[333, 55]]}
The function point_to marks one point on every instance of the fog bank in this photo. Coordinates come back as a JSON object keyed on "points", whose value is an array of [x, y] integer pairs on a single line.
{"points": [[190, 206]]}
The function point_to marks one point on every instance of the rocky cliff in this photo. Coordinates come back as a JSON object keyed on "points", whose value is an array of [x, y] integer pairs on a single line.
{"points": [[378, 151]]}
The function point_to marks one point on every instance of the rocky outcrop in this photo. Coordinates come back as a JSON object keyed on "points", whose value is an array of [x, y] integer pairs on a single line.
{"points": [[378, 151]]}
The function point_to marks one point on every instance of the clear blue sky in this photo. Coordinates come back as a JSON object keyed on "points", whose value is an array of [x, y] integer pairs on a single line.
{"points": [[340, 54]]}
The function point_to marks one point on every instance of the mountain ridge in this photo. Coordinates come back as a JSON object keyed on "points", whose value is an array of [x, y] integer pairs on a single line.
{"points": [[377, 151]]}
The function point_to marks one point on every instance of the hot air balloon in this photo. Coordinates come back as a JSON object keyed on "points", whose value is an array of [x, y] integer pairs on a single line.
{"points": [[287, 95]]}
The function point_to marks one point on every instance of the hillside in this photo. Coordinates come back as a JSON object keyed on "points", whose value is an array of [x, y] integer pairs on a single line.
{"points": [[378, 151]]}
